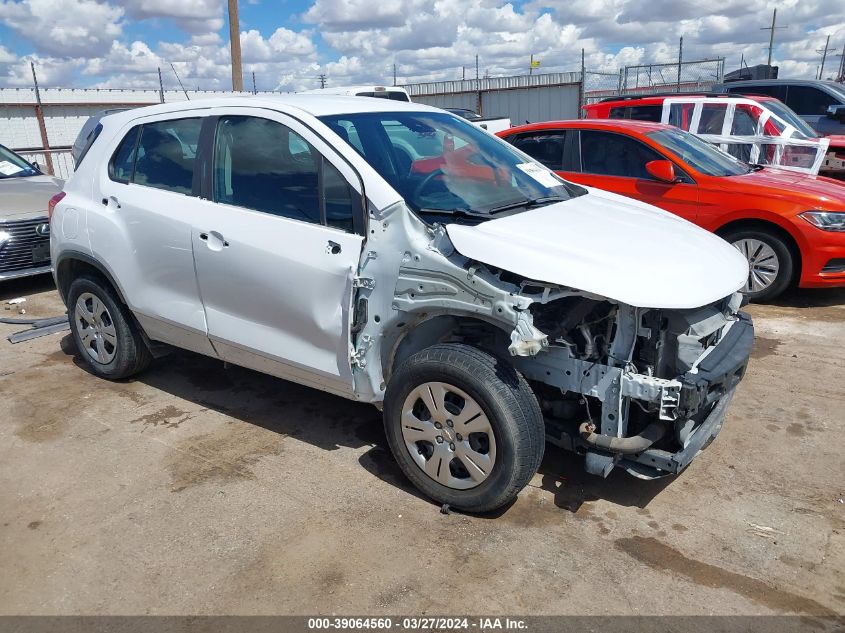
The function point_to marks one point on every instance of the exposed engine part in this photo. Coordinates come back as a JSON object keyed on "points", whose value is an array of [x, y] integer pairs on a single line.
{"points": [[622, 445]]}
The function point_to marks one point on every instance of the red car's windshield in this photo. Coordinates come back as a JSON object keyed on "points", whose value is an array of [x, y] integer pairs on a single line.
{"points": [[698, 154]]}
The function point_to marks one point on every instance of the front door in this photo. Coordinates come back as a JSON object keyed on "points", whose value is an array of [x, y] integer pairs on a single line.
{"points": [[277, 250], [617, 163]]}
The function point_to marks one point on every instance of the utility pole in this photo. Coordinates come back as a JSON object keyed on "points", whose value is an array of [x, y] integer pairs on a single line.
{"points": [[771, 30], [476, 67], [680, 62], [842, 65], [254, 90], [394, 74], [463, 72], [160, 86], [531, 65], [235, 42], [322, 77], [824, 51]]}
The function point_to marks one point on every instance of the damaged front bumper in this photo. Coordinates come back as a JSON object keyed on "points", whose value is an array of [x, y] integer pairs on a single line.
{"points": [[705, 393]]}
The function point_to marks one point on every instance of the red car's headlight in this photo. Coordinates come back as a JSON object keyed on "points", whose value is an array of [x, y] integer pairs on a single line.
{"points": [[826, 220]]}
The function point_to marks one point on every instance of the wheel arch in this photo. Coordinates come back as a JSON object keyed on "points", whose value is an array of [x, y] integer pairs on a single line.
{"points": [[71, 264], [771, 227], [441, 328]]}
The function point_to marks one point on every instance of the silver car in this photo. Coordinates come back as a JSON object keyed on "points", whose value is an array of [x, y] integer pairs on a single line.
{"points": [[24, 227]]}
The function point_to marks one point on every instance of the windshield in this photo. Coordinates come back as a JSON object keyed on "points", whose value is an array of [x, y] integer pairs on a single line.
{"points": [[445, 166], [699, 154], [13, 166], [788, 115]]}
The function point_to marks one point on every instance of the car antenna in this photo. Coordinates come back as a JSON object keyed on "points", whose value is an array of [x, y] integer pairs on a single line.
{"points": [[180, 81]]}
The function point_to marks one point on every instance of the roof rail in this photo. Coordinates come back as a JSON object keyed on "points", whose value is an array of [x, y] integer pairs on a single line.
{"points": [[697, 93]]}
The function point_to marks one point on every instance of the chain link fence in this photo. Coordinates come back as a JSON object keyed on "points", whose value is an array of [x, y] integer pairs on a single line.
{"points": [[691, 76]]}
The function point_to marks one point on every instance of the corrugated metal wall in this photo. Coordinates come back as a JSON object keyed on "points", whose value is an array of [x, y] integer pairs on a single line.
{"points": [[522, 98]]}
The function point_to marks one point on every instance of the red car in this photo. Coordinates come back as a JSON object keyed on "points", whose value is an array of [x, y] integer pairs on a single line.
{"points": [[650, 108], [790, 226]]}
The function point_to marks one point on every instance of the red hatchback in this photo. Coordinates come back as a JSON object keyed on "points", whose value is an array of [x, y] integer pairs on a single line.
{"points": [[790, 226]]}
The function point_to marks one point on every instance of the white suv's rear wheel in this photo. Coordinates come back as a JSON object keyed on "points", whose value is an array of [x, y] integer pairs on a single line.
{"points": [[105, 334], [464, 426]]}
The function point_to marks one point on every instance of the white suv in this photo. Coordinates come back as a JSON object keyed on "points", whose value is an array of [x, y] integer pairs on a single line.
{"points": [[396, 254]]}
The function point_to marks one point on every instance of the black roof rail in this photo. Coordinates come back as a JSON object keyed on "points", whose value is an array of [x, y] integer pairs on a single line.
{"points": [[694, 93]]}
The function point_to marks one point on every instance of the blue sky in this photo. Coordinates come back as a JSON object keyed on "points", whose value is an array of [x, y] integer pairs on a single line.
{"points": [[289, 43]]}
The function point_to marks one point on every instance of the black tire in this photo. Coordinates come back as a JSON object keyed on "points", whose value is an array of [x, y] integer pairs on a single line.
{"points": [[130, 353], [506, 400], [786, 261]]}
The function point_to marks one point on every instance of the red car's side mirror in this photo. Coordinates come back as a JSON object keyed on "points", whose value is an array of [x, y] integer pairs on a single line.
{"points": [[663, 170]]}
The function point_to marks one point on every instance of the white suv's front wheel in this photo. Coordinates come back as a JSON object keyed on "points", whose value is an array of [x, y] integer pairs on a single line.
{"points": [[464, 426]]}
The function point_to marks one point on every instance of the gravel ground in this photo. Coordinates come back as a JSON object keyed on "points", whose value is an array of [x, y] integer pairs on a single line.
{"points": [[196, 489]]}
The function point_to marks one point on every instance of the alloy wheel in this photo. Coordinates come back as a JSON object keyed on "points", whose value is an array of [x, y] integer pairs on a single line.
{"points": [[763, 264]]}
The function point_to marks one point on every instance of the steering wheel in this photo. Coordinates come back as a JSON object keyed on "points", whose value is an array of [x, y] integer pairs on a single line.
{"points": [[427, 181]]}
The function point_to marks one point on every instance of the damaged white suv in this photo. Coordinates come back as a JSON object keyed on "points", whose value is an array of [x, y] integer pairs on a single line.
{"points": [[396, 254]]}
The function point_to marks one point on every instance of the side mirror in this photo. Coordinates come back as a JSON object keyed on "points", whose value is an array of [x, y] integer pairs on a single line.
{"points": [[663, 170], [836, 112]]}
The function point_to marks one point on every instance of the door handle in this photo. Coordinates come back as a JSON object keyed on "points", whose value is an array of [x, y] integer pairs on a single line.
{"points": [[214, 240], [111, 199], [333, 248]]}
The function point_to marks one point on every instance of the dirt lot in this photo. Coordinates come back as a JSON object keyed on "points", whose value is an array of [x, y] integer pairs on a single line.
{"points": [[197, 490]]}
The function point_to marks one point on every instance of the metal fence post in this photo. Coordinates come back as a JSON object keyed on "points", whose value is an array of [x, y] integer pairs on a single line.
{"points": [[42, 126]]}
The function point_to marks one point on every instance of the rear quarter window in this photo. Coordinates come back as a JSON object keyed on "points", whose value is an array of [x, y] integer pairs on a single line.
{"points": [[120, 166]]}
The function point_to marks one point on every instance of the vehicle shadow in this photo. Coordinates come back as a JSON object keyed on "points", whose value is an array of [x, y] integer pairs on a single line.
{"points": [[810, 298], [26, 286], [331, 422]]}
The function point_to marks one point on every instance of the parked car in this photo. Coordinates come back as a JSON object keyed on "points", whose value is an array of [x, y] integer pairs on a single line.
{"points": [[394, 93], [819, 103], [24, 228], [491, 124], [721, 118], [789, 226], [483, 310]]}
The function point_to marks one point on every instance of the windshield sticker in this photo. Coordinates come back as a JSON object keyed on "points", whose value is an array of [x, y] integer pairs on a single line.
{"points": [[7, 168], [540, 174]]}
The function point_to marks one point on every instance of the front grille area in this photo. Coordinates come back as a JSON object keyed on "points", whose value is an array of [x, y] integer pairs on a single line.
{"points": [[835, 266], [24, 248]]}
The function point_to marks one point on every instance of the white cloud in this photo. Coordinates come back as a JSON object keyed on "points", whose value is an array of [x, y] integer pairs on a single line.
{"points": [[81, 42], [64, 28]]}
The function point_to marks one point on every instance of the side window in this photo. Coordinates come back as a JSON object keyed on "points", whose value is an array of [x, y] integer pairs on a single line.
{"points": [[546, 147], [166, 154], [120, 166], [339, 199], [609, 154], [806, 100], [265, 166], [712, 118], [637, 113], [680, 115], [89, 141], [745, 120]]}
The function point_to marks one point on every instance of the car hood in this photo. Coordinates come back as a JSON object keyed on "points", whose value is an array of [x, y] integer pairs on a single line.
{"points": [[27, 197], [783, 184], [612, 246]]}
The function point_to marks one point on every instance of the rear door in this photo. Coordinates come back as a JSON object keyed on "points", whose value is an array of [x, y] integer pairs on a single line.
{"points": [[277, 248], [148, 203], [617, 163]]}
